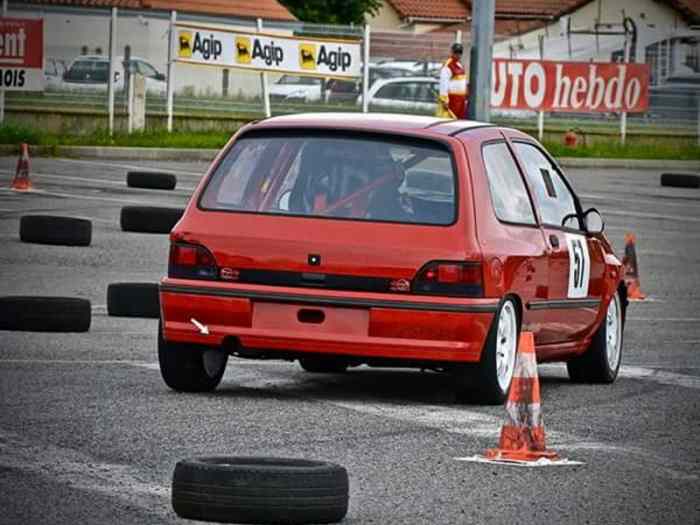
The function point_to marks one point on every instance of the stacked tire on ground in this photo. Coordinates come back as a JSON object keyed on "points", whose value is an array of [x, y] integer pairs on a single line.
{"points": [[133, 300], [149, 219], [52, 229], [151, 180], [260, 490], [680, 180]]}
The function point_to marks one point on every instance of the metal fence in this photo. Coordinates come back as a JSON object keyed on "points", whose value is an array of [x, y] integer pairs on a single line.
{"points": [[77, 46]]}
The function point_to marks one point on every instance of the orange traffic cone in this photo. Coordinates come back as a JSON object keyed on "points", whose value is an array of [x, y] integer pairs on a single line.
{"points": [[522, 436], [629, 261], [21, 180]]}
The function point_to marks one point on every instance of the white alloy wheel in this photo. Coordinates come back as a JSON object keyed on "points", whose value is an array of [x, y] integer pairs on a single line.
{"points": [[213, 360], [613, 332], [506, 344]]}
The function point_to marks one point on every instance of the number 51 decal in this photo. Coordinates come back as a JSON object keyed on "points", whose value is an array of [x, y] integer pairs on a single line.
{"points": [[579, 266]]}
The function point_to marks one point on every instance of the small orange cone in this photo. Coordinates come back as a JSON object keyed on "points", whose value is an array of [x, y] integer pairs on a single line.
{"points": [[21, 181], [522, 436], [629, 261]]}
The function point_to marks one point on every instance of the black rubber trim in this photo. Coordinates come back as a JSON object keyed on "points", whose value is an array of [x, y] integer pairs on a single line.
{"points": [[331, 301], [563, 304]]}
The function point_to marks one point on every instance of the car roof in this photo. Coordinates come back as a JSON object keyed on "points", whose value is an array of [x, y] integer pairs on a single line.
{"points": [[370, 122]]}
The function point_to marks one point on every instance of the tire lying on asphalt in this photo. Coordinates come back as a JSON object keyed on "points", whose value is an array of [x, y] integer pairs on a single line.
{"points": [[149, 219], [45, 314], [151, 180], [133, 300], [680, 180], [260, 490], [51, 229]]}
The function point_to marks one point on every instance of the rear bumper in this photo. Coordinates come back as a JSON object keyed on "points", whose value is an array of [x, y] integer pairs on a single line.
{"points": [[355, 324]]}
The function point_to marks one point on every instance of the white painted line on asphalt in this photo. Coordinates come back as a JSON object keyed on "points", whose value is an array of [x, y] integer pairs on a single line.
{"points": [[42, 193], [130, 166], [80, 471], [664, 319], [639, 214], [636, 372]]}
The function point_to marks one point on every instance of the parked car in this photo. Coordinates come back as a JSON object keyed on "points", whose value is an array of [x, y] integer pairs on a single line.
{"points": [[678, 98], [90, 72], [405, 94], [292, 88], [54, 69], [340, 91], [342, 239]]}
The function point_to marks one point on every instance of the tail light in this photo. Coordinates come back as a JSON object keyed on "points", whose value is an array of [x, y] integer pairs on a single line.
{"points": [[461, 279], [191, 261]]}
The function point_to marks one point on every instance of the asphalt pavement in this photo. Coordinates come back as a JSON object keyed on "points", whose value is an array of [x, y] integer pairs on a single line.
{"points": [[89, 433]]}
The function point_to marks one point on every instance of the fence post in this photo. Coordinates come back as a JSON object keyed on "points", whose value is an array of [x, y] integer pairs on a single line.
{"points": [[365, 69], [112, 72], [623, 116], [2, 91], [263, 82], [171, 69]]}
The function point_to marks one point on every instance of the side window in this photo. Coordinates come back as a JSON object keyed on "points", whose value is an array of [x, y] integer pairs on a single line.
{"points": [[508, 193], [390, 91], [554, 199]]}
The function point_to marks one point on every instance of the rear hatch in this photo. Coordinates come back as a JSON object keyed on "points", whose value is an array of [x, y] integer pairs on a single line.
{"points": [[330, 210]]}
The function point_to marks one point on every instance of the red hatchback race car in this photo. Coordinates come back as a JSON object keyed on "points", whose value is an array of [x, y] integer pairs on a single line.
{"points": [[388, 240]]}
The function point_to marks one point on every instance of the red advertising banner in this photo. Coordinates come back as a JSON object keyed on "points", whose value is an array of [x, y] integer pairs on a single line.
{"points": [[577, 87], [21, 54]]}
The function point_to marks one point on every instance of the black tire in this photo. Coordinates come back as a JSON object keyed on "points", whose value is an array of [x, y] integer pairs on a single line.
{"points": [[593, 366], [260, 490], [182, 366], [149, 219], [323, 365], [151, 180], [680, 180], [45, 314], [133, 300], [479, 383], [51, 229]]}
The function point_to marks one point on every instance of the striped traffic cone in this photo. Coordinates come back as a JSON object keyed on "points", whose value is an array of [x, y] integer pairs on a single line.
{"points": [[629, 261], [522, 436], [21, 181]]}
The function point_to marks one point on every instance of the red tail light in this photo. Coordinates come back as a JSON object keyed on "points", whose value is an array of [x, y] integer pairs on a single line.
{"points": [[463, 279], [191, 261]]}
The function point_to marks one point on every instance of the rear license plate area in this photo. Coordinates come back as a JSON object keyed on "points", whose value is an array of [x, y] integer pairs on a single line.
{"points": [[330, 320]]}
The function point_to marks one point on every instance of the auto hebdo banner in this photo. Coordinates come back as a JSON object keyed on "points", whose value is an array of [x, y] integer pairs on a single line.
{"points": [[580, 87], [21, 54], [266, 52]]}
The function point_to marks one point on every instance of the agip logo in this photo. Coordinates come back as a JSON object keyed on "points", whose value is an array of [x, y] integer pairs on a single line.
{"points": [[243, 50], [307, 56], [185, 44]]}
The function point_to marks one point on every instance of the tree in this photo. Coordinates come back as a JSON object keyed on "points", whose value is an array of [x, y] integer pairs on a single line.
{"points": [[332, 11]]}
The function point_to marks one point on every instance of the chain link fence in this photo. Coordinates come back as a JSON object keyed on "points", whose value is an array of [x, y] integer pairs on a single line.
{"points": [[403, 74]]}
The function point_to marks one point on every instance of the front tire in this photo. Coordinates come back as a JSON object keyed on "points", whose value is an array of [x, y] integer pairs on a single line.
{"points": [[601, 362], [489, 382], [188, 368]]}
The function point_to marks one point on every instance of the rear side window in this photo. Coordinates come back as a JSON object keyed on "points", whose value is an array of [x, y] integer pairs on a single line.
{"points": [[554, 199], [351, 177], [508, 193]]}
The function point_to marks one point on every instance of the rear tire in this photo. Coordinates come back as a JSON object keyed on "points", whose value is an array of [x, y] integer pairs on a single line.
{"points": [[189, 368], [260, 490], [323, 365], [601, 362], [490, 380]]}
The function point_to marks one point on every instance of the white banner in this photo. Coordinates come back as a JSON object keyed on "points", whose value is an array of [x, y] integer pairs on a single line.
{"points": [[21, 79], [267, 52]]}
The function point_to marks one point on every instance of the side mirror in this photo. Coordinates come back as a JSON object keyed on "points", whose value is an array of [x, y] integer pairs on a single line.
{"points": [[160, 76], [593, 221]]}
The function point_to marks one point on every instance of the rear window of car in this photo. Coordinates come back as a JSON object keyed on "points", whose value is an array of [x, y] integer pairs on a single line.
{"points": [[336, 176]]}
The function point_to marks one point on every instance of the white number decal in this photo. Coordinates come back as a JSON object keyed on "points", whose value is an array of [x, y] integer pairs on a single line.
{"points": [[579, 266]]}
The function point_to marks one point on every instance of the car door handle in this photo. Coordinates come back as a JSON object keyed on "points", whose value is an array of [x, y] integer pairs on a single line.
{"points": [[554, 241]]}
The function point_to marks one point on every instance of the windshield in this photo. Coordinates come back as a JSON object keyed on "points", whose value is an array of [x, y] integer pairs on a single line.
{"points": [[348, 177]]}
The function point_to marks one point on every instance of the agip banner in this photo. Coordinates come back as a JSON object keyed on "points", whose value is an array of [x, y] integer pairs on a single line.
{"points": [[21, 54], [267, 52], [577, 87]]}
